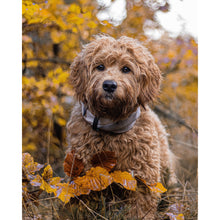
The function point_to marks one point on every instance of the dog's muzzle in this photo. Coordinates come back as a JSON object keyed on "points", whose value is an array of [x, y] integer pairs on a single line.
{"points": [[109, 86]]}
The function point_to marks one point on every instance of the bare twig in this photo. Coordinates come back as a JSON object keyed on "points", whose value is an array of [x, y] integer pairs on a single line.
{"points": [[191, 146], [48, 138], [50, 60], [174, 117], [172, 69], [92, 211]]}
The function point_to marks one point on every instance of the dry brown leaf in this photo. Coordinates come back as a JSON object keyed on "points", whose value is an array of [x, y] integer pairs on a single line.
{"points": [[73, 166], [105, 159]]}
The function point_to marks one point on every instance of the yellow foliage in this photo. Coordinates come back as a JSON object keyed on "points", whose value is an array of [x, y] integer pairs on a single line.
{"points": [[57, 37], [48, 172], [188, 54], [46, 182], [96, 179], [125, 179], [65, 192], [29, 167], [60, 121], [75, 9], [157, 187], [29, 147], [92, 24]]}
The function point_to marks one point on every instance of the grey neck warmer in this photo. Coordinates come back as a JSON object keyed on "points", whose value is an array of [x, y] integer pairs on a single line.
{"points": [[109, 125]]}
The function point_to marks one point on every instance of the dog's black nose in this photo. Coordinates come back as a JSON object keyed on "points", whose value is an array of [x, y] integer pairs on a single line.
{"points": [[109, 86]]}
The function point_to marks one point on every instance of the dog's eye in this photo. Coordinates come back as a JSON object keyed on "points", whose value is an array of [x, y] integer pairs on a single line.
{"points": [[100, 67], [125, 69]]}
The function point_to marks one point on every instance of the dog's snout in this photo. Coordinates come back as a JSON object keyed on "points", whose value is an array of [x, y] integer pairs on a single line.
{"points": [[109, 86]]}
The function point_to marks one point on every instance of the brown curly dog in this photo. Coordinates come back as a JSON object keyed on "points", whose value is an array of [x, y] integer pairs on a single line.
{"points": [[114, 80]]}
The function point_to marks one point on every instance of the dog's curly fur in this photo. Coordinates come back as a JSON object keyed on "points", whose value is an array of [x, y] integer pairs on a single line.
{"points": [[143, 150]]}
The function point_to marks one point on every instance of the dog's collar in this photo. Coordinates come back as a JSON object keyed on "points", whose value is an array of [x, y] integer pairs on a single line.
{"points": [[109, 125]]}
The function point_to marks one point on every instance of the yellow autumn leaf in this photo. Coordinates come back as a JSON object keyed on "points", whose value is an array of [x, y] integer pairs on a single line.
{"points": [[29, 167], [92, 24], [37, 181], [48, 172], [47, 187], [64, 192], [175, 216], [63, 77], [96, 179], [74, 9], [157, 187], [57, 36], [25, 4], [46, 182], [34, 124], [171, 54], [75, 20], [27, 159], [74, 30], [29, 147], [56, 108], [125, 179], [54, 181], [67, 190], [60, 121], [28, 81], [188, 54], [180, 217]]}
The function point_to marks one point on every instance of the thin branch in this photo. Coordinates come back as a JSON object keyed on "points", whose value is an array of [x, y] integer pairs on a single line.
{"points": [[191, 146], [90, 210], [48, 138], [174, 117], [50, 60], [173, 68]]}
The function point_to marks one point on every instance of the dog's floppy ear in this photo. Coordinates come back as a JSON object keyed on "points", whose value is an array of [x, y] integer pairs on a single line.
{"points": [[149, 79], [78, 76], [149, 75]]}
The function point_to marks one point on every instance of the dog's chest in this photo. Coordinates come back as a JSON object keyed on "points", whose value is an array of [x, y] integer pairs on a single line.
{"points": [[132, 149]]}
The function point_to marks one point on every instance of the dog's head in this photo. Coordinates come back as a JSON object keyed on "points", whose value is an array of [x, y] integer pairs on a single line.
{"points": [[113, 77]]}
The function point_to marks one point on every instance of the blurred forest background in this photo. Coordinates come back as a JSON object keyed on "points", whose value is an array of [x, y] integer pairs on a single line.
{"points": [[54, 31]]}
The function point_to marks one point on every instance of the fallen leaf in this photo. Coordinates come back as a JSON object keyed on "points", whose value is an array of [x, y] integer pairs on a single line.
{"points": [[125, 179], [175, 217], [105, 159], [37, 181], [65, 191], [47, 182], [48, 172], [96, 179], [29, 167], [157, 187], [73, 166]]}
